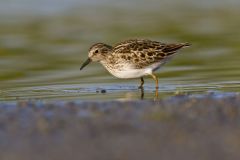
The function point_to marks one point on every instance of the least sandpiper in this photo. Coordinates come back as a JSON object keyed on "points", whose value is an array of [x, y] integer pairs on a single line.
{"points": [[133, 58]]}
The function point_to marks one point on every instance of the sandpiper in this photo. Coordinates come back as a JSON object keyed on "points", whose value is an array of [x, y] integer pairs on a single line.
{"points": [[133, 58]]}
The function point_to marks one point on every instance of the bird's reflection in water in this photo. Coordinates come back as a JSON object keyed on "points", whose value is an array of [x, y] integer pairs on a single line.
{"points": [[142, 93]]}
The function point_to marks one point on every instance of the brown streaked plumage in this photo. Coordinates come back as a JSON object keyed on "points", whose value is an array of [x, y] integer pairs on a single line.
{"points": [[133, 58]]}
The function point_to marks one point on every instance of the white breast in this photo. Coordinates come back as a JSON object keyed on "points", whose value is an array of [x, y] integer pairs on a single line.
{"points": [[131, 72]]}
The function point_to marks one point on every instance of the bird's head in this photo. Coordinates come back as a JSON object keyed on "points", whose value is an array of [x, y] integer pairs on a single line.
{"points": [[97, 53]]}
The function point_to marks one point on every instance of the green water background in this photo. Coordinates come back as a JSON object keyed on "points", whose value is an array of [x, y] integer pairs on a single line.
{"points": [[43, 44]]}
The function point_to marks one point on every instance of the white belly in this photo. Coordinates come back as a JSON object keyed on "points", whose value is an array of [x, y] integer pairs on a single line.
{"points": [[130, 72]]}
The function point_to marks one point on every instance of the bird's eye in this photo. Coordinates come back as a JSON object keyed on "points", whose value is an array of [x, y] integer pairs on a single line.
{"points": [[96, 51]]}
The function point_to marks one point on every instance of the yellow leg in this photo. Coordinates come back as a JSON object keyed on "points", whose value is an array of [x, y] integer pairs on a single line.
{"points": [[142, 82], [156, 79]]}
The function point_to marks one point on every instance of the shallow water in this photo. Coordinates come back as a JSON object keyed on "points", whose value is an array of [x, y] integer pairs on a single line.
{"points": [[42, 49]]}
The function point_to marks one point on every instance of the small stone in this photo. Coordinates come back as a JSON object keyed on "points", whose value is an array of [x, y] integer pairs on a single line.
{"points": [[103, 91]]}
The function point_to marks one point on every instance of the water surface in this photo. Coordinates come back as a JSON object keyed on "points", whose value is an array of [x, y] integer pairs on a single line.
{"points": [[42, 49]]}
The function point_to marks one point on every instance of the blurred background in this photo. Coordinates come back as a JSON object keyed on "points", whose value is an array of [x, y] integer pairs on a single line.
{"points": [[43, 44]]}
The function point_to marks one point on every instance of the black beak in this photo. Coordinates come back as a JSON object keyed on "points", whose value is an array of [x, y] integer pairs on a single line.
{"points": [[85, 63]]}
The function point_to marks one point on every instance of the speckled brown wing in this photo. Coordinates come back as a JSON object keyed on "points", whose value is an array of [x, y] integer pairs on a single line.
{"points": [[142, 53]]}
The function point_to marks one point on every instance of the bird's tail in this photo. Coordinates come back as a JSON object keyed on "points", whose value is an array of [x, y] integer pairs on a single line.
{"points": [[175, 47], [186, 44]]}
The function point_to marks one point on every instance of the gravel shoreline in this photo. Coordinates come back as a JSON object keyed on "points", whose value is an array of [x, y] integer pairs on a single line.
{"points": [[180, 127]]}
